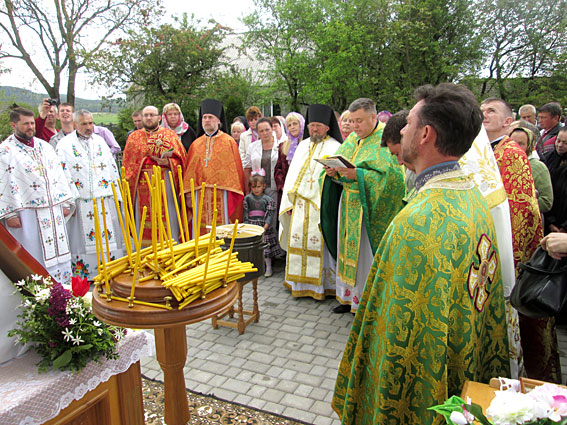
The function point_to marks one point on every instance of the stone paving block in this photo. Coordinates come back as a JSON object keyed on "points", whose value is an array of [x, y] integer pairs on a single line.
{"points": [[298, 402], [264, 380], [203, 389], [236, 385], [290, 336], [320, 335], [331, 373], [255, 366], [217, 381], [261, 358], [199, 376], [322, 420], [223, 349], [256, 391], [152, 365], [257, 403], [303, 390], [305, 378], [343, 331], [213, 367], [243, 399], [309, 349], [318, 370], [287, 374], [274, 371], [319, 394], [151, 374], [335, 345], [274, 408], [328, 352], [301, 357], [287, 386], [279, 361], [224, 394], [298, 366], [190, 384], [241, 353], [304, 339], [194, 364], [322, 408], [328, 384], [302, 415], [273, 395]]}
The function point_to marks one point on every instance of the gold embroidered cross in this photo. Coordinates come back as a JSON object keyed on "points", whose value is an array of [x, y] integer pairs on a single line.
{"points": [[480, 277]]}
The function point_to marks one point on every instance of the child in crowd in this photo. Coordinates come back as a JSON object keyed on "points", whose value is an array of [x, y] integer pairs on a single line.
{"points": [[259, 209]]}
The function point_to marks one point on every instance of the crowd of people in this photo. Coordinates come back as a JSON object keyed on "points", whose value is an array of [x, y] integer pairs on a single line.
{"points": [[414, 221]]}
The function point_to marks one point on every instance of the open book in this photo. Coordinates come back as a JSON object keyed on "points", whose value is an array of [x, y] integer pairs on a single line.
{"points": [[335, 161]]}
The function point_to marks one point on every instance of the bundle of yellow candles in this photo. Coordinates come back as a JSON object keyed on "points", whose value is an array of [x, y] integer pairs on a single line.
{"points": [[189, 270]]}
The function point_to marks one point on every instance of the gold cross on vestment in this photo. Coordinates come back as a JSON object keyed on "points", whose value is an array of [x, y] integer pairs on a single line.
{"points": [[311, 181], [41, 170]]}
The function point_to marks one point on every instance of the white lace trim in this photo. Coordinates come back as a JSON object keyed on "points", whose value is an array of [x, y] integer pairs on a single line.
{"points": [[29, 398]]}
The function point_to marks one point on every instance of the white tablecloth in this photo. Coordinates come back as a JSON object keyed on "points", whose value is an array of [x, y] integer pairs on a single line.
{"points": [[28, 398]]}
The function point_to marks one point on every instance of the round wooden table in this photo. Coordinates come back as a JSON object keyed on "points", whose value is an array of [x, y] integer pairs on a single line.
{"points": [[171, 340]]}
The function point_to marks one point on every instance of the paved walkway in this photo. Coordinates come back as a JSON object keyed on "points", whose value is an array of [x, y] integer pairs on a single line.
{"points": [[285, 364]]}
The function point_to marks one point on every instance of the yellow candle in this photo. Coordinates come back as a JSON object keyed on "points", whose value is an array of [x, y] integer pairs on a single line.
{"points": [[154, 226], [125, 235], [168, 224], [201, 201], [105, 229], [208, 255], [193, 208], [183, 204], [181, 232], [138, 249], [215, 198], [157, 190], [98, 242], [128, 207], [230, 250]]}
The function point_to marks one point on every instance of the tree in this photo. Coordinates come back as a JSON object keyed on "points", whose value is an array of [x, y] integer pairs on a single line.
{"points": [[164, 64], [63, 35], [523, 40]]}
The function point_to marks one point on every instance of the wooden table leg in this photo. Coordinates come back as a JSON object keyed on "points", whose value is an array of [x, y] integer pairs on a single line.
{"points": [[171, 353], [240, 310], [256, 310]]}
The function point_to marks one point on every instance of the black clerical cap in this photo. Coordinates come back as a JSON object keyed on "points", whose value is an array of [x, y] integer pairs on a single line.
{"points": [[213, 107], [325, 115]]}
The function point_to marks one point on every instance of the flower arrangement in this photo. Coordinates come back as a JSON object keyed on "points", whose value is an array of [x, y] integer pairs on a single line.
{"points": [[60, 325], [544, 405]]}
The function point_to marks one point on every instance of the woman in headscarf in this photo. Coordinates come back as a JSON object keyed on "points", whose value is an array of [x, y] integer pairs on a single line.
{"points": [[172, 118], [542, 180], [295, 124]]}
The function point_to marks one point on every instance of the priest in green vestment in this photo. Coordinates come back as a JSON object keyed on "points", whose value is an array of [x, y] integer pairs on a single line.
{"points": [[360, 202], [432, 313]]}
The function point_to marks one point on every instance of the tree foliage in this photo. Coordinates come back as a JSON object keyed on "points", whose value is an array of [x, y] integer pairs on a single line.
{"points": [[170, 63], [335, 51], [524, 39], [61, 36]]}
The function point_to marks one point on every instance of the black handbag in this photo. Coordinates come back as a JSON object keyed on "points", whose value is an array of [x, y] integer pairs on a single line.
{"points": [[541, 286]]}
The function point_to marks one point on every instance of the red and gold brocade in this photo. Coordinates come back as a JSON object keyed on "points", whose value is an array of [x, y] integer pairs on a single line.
{"points": [[141, 146], [538, 335], [223, 168], [516, 174]]}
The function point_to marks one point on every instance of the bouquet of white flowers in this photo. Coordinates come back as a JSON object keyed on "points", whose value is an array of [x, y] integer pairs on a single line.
{"points": [[60, 325], [544, 405]]}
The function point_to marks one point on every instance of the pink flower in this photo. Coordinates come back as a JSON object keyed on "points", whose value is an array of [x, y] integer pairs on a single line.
{"points": [[80, 286]]}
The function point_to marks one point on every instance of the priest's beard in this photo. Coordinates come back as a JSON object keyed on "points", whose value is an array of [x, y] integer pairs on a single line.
{"points": [[316, 138], [23, 136]]}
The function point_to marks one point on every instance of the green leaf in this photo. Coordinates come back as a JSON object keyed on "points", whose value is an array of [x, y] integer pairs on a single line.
{"points": [[63, 360]]}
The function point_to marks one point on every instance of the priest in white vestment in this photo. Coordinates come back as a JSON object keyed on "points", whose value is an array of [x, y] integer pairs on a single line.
{"points": [[90, 167], [35, 197], [310, 270], [479, 162]]}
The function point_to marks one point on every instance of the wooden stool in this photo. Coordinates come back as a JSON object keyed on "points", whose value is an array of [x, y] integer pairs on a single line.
{"points": [[240, 324]]}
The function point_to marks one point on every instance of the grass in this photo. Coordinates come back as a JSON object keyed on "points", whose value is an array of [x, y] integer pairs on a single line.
{"points": [[101, 118]]}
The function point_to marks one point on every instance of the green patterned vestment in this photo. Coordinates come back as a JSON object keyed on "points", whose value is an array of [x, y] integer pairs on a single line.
{"points": [[432, 314], [375, 197]]}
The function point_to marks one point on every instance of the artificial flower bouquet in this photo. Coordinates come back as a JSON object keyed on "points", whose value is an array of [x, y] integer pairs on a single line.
{"points": [[60, 325], [544, 405]]}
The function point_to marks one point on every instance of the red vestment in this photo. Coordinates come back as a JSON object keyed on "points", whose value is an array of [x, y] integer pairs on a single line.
{"points": [[215, 160], [140, 147], [538, 336]]}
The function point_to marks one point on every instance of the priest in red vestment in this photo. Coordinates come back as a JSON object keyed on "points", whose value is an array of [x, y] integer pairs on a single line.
{"points": [[538, 336], [213, 158], [149, 146]]}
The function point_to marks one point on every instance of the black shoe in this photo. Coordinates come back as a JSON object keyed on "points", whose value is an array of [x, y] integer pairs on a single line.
{"points": [[342, 308]]}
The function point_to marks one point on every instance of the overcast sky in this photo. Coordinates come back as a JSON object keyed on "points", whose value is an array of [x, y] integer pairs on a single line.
{"points": [[226, 12]]}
